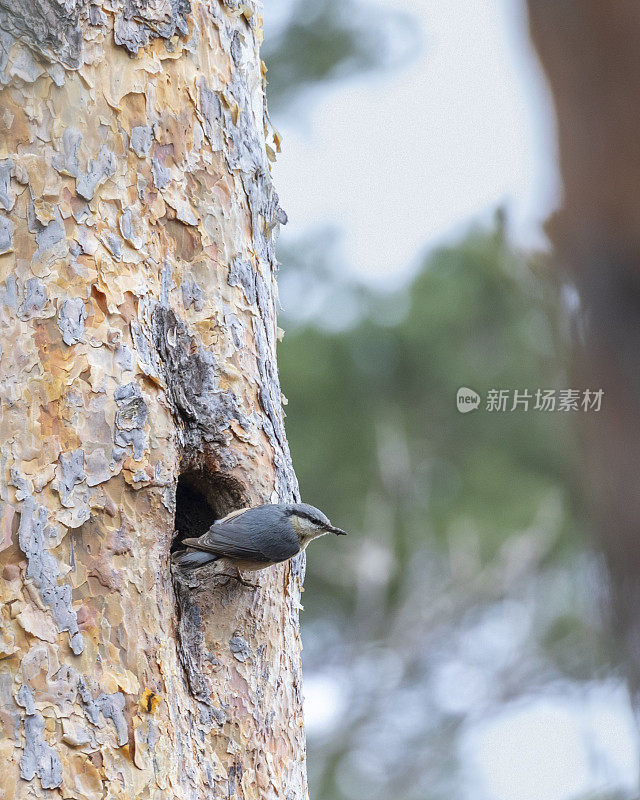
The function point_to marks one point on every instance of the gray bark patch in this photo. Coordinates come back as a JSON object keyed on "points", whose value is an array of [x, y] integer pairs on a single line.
{"points": [[39, 758], [24, 699], [10, 294], [35, 298], [6, 234], [241, 274], [71, 317], [127, 229], [130, 419], [49, 235], [113, 244], [7, 196], [143, 20], [141, 139], [240, 648], [211, 114], [100, 168], [161, 175], [67, 162], [110, 706], [166, 282], [42, 569], [49, 26], [236, 48], [192, 295], [193, 386], [191, 641], [70, 473]]}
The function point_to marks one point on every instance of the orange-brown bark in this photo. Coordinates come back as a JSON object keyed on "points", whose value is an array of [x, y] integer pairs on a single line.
{"points": [[138, 338]]}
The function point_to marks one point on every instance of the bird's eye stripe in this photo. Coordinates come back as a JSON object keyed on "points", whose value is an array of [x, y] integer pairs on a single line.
{"points": [[315, 520]]}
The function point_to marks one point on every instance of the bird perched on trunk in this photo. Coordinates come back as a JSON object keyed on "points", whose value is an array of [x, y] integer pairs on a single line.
{"points": [[254, 538]]}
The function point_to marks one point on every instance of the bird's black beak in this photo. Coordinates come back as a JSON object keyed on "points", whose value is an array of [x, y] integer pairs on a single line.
{"points": [[337, 531]]}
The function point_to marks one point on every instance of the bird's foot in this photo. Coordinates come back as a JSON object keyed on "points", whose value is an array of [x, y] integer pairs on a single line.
{"points": [[238, 578]]}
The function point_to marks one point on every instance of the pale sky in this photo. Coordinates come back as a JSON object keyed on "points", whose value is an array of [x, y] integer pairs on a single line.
{"points": [[407, 159]]}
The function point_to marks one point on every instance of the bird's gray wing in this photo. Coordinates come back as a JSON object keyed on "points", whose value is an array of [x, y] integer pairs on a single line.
{"points": [[244, 537]]}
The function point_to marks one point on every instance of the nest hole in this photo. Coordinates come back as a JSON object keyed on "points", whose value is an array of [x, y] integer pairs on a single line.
{"points": [[201, 499]]}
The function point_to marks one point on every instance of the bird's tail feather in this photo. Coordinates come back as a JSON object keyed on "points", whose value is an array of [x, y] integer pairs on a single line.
{"points": [[193, 558]]}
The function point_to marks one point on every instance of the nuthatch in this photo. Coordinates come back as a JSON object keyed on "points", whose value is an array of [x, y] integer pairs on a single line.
{"points": [[254, 538]]}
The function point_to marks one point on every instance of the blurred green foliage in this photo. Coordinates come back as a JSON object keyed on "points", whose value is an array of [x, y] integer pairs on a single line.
{"points": [[372, 409]]}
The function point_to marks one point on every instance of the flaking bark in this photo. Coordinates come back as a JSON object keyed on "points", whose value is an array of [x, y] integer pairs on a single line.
{"points": [[138, 335]]}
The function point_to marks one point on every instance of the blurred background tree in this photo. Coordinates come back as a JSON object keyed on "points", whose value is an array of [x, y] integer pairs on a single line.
{"points": [[467, 585]]}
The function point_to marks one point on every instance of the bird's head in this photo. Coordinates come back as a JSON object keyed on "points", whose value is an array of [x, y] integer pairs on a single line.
{"points": [[309, 523]]}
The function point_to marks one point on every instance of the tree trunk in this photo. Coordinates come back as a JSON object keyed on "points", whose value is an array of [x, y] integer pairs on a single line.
{"points": [[139, 390], [590, 52]]}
